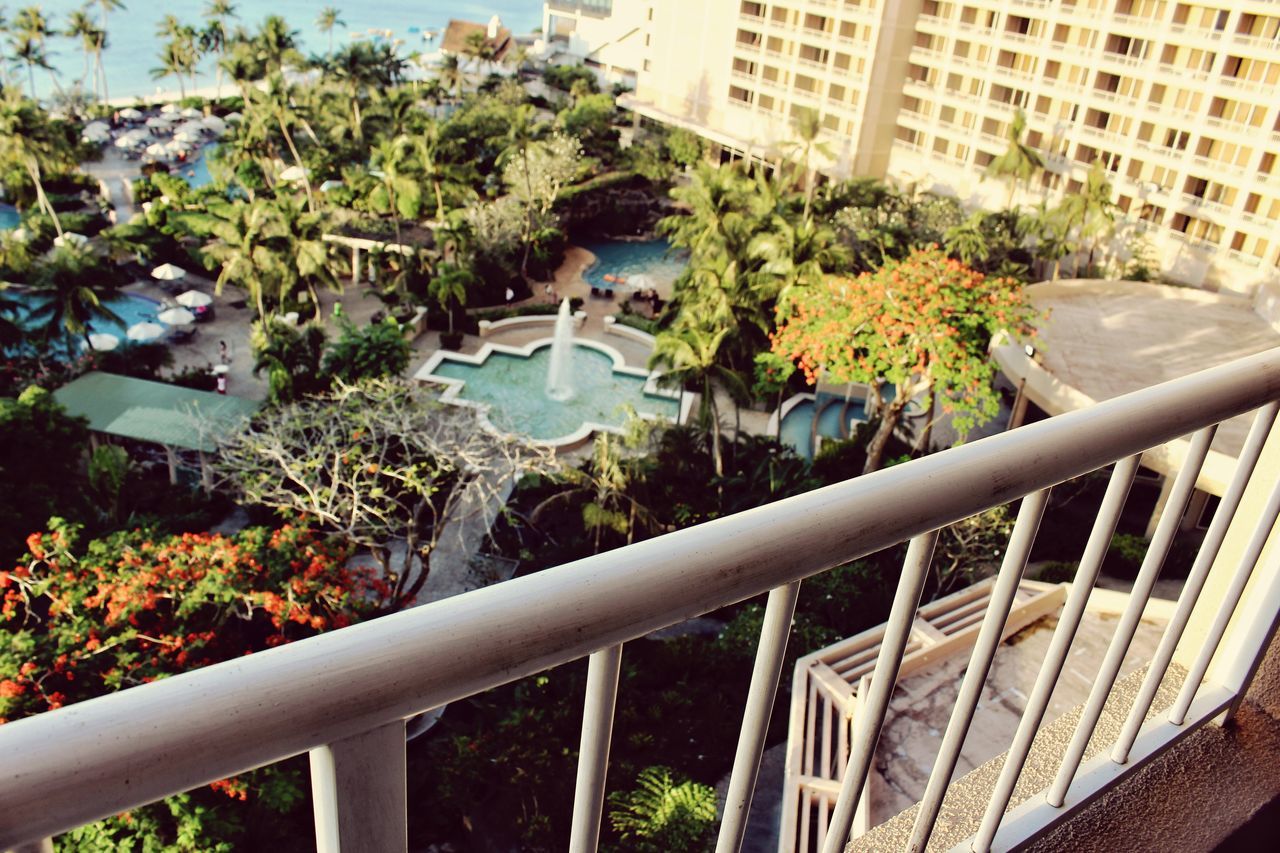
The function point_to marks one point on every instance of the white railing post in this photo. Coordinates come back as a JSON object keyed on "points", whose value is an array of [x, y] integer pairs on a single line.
{"points": [[358, 791], [915, 571], [755, 719], [1016, 554], [1157, 550], [593, 756]]}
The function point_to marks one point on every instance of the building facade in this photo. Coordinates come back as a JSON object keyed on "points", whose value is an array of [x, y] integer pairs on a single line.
{"points": [[1175, 99], [605, 36]]}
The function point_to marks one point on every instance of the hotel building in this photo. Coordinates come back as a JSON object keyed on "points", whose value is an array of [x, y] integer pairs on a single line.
{"points": [[1176, 99]]}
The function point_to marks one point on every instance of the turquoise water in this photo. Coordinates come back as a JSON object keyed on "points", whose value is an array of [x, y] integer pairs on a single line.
{"points": [[131, 309], [199, 170], [797, 426], [625, 259], [9, 217], [513, 386], [133, 46]]}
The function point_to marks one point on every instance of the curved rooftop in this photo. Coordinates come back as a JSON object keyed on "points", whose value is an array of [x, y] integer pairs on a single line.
{"points": [[1101, 339]]}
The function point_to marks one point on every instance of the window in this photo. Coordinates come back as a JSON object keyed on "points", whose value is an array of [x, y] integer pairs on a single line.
{"points": [[745, 96], [816, 23], [748, 38], [744, 66], [1176, 139], [754, 10], [765, 102], [1152, 213], [1252, 70], [813, 54], [836, 93], [806, 83], [908, 135], [780, 15], [1258, 26]]}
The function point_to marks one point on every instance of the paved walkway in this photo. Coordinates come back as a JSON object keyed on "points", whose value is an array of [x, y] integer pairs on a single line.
{"points": [[117, 174]]}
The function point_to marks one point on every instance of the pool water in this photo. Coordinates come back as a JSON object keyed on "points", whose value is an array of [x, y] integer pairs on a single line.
{"points": [[129, 307], [9, 217], [625, 259], [200, 169], [797, 426], [514, 388]]}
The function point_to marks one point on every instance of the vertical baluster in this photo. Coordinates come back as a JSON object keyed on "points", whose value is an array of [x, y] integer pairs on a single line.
{"points": [[1104, 527], [358, 791], [826, 769], [1195, 580], [1253, 552], [593, 757], [811, 727], [975, 676], [915, 571], [1128, 624], [755, 719]]}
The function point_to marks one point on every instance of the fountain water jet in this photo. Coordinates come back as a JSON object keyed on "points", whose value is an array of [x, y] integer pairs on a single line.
{"points": [[560, 371]]}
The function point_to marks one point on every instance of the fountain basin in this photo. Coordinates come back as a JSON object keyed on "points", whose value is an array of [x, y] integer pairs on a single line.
{"points": [[507, 385]]}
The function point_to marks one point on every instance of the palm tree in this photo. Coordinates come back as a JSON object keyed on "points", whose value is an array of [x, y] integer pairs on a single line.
{"points": [[175, 61], [29, 143], [214, 38], [689, 357], [278, 101], [478, 47], [427, 149], [28, 35], [451, 75], [393, 159], [72, 298], [797, 254], [275, 42], [808, 127], [107, 6], [967, 240], [81, 26], [449, 286], [1020, 161], [327, 21]]}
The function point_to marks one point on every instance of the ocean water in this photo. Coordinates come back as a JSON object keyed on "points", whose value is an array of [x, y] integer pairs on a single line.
{"points": [[133, 46]]}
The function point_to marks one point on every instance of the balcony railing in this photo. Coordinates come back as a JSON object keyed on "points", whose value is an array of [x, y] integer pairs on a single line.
{"points": [[344, 696]]}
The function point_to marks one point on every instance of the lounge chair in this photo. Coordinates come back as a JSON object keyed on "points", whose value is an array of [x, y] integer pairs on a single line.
{"points": [[182, 335]]}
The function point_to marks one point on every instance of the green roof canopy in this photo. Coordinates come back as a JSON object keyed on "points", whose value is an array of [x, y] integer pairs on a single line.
{"points": [[153, 411]]}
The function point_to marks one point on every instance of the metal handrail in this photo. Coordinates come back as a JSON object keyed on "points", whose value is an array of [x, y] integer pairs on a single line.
{"points": [[77, 764]]}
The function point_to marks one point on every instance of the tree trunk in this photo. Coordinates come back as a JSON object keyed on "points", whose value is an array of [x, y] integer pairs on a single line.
{"points": [[439, 202], [716, 459], [922, 443], [293, 149], [879, 441], [42, 200]]}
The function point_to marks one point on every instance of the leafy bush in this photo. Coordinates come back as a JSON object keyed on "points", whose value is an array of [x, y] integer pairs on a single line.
{"points": [[564, 76], [1125, 555], [662, 814], [377, 350]]}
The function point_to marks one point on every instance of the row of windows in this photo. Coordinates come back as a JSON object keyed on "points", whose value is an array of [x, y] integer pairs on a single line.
{"points": [[742, 96]]}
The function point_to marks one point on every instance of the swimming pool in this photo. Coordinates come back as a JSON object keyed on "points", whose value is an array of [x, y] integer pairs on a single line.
{"points": [[624, 259], [9, 217], [797, 425], [129, 307], [200, 171], [514, 387]]}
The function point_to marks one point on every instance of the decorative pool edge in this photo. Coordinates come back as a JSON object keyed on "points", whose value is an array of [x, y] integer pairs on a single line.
{"points": [[780, 413], [453, 388]]}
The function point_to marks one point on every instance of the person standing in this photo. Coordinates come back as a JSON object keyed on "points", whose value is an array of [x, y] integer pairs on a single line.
{"points": [[222, 383]]}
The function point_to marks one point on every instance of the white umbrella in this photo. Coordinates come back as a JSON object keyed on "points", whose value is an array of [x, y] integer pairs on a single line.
{"points": [[640, 281], [130, 114], [169, 108], [233, 118], [132, 139], [192, 136], [173, 146], [159, 122], [293, 173], [71, 239], [330, 185], [176, 317], [168, 272], [156, 149], [191, 112], [194, 299], [103, 342], [146, 331], [213, 124], [97, 125]]}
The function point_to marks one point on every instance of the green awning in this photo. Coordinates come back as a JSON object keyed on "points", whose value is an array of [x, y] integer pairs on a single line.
{"points": [[154, 411]]}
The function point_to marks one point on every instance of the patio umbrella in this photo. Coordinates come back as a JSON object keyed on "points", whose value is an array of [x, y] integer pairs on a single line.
{"points": [[168, 272], [145, 331], [640, 281], [156, 149], [176, 317], [102, 342], [293, 173], [187, 135], [191, 112], [215, 125], [96, 132], [159, 122], [132, 139], [330, 185], [169, 108], [233, 118], [130, 114], [194, 299]]}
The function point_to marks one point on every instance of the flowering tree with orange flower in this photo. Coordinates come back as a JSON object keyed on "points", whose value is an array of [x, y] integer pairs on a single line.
{"points": [[82, 620], [922, 325]]}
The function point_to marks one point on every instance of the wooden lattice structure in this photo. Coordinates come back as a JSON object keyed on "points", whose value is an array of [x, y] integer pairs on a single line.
{"points": [[830, 684]]}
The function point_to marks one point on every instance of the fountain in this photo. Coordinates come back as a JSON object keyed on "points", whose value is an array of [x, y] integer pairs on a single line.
{"points": [[560, 371]]}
